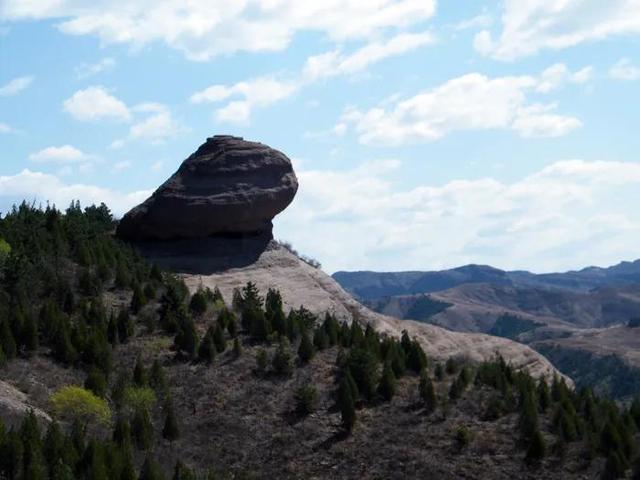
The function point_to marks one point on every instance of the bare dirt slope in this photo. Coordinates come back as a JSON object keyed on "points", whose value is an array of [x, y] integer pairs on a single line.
{"points": [[301, 284]]}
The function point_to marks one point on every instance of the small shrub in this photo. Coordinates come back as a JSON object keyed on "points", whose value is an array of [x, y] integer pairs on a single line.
{"points": [[462, 437], [306, 398]]}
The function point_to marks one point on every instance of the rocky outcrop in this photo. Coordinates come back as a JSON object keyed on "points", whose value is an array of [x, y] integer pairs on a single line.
{"points": [[14, 405], [229, 187]]}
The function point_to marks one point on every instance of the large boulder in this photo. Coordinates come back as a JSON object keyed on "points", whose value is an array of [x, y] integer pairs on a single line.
{"points": [[229, 187]]}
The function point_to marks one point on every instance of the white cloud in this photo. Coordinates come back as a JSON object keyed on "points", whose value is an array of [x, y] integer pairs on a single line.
{"points": [[60, 155], [483, 20], [15, 86], [537, 121], [337, 63], [150, 121], [469, 102], [569, 214], [89, 70], [121, 166], [558, 75], [243, 97], [157, 127], [5, 129], [203, 29], [94, 103], [624, 70], [258, 92], [42, 187], [529, 26]]}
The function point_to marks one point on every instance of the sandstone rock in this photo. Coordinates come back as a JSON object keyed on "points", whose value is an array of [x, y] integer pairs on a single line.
{"points": [[228, 187]]}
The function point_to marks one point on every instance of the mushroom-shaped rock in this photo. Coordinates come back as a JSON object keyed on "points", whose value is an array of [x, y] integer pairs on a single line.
{"points": [[228, 187]]}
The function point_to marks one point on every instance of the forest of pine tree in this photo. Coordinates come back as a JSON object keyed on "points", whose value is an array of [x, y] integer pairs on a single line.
{"points": [[56, 268]]}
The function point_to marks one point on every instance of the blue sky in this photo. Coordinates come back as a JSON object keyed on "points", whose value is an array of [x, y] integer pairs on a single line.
{"points": [[425, 134]]}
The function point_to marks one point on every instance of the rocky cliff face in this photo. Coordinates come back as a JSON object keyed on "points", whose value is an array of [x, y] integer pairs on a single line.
{"points": [[228, 187]]}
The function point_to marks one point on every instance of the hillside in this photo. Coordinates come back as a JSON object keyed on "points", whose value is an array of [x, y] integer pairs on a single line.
{"points": [[572, 328], [368, 285], [225, 373]]}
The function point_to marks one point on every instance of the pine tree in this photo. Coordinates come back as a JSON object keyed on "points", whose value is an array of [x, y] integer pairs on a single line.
{"points": [[30, 334], [282, 359], [613, 468], [363, 366], [537, 448], [170, 430], [544, 397], [207, 349], [218, 338], [150, 470], [125, 326], [198, 304], [262, 361], [157, 379], [96, 382], [138, 300], [306, 398], [140, 377], [182, 472], [427, 392], [346, 405], [439, 372], [122, 432], [142, 429], [305, 350], [237, 348], [387, 386], [528, 421], [7, 341], [187, 339]]}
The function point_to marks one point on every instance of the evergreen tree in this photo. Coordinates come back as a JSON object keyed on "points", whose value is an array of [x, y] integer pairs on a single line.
{"points": [[142, 429], [182, 472], [237, 348], [112, 331], [170, 430], [140, 377], [544, 397], [537, 448], [305, 350], [439, 372], [282, 359], [125, 326], [218, 338], [7, 341], [528, 422], [186, 340], [207, 349], [306, 398], [96, 382], [346, 405], [262, 361], [122, 432], [614, 467], [387, 386], [427, 392], [150, 470], [30, 334], [138, 300], [363, 367], [157, 379], [198, 304]]}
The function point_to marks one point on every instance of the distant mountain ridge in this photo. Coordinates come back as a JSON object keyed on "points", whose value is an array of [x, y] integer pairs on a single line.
{"points": [[368, 285]]}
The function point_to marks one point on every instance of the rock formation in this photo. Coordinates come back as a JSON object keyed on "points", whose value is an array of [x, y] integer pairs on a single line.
{"points": [[228, 187]]}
